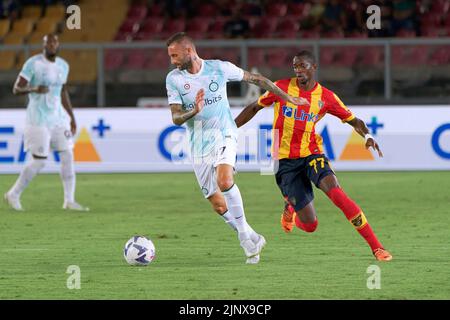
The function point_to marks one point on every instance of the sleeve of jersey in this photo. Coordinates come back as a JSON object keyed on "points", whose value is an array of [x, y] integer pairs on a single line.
{"points": [[173, 96], [67, 73], [231, 71], [339, 109], [27, 70]]}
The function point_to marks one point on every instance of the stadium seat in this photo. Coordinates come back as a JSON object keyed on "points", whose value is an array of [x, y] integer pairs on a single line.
{"points": [[207, 10], [215, 30], [33, 11], [13, 38], [287, 27], [158, 59], [36, 37], [47, 25], [156, 10], [276, 9], [405, 33], [310, 34], [297, 10], [136, 59], [256, 57], [114, 59], [57, 12], [137, 12], [276, 58], [8, 60], [130, 25], [326, 56], [198, 25], [265, 28], [440, 56], [23, 26], [372, 56], [172, 26], [4, 27], [150, 29], [347, 56]]}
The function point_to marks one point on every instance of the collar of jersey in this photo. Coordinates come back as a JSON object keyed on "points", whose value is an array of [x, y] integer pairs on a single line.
{"points": [[195, 75]]}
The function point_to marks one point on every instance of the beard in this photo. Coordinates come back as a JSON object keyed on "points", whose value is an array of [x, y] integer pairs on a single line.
{"points": [[51, 55], [186, 65]]}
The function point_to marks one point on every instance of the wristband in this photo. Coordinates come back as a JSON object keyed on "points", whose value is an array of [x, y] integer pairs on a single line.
{"points": [[368, 136]]}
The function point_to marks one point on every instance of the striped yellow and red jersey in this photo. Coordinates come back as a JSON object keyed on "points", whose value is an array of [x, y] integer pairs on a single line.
{"points": [[293, 132]]}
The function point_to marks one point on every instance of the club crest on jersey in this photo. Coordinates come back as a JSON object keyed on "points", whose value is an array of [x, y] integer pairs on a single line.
{"points": [[213, 86], [187, 86], [320, 103]]}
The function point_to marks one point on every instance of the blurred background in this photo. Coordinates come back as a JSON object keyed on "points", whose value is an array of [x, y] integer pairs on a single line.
{"points": [[119, 57]]}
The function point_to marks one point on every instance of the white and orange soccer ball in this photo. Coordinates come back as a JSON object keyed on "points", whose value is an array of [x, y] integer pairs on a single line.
{"points": [[139, 251]]}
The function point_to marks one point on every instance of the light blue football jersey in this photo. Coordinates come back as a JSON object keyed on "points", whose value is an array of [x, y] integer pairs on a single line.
{"points": [[46, 109], [208, 128]]}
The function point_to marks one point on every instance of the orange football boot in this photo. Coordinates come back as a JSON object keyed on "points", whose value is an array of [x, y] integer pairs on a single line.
{"points": [[288, 218], [382, 255]]}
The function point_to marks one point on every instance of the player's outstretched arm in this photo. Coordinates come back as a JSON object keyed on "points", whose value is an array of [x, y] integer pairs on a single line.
{"points": [[180, 116], [21, 87], [247, 114], [65, 99], [268, 85], [363, 131]]}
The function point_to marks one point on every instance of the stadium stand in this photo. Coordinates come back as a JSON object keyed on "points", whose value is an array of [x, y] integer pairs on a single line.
{"points": [[25, 22]]}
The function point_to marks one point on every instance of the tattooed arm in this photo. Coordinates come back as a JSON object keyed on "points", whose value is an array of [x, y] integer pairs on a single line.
{"points": [[268, 85]]}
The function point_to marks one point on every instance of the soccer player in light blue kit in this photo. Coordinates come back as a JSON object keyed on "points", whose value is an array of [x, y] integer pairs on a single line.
{"points": [[197, 96], [50, 123]]}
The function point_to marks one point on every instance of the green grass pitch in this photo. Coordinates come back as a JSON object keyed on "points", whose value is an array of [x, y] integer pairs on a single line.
{"points": [[199, 257]]}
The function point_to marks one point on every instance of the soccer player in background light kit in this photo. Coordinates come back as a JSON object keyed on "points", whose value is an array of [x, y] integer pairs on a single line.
{"points": [[50, 123], [300, 153], [197, 96]]}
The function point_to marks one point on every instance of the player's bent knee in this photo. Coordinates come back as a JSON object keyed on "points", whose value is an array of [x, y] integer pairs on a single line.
{"points": [[225, 184]]}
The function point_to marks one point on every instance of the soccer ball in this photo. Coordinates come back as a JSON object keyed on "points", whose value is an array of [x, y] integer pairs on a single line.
{"points": [[139, 251]]}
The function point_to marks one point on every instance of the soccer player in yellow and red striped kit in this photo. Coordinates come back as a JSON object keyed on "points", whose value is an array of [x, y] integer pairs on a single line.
{"points": [[298, 149]]}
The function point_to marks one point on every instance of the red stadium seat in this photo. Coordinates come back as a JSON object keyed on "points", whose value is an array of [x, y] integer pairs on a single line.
{"points": [[158, 59], [372, 57], [418, 55], [114, 59], [440, 56], [276, 58], [256, 57], [297, 10], [399, 55], [327, 56], [265, 28], [124, 36], [156, 10], [199, 24], [137, 13], [216, 28], [310, 34], [404, 33], [172, 26], [287, 25], [136, 59], [129, 26], [207, 10], [152, 25], [276, 9], [347, 56], [430, 32], [430, 20]]}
